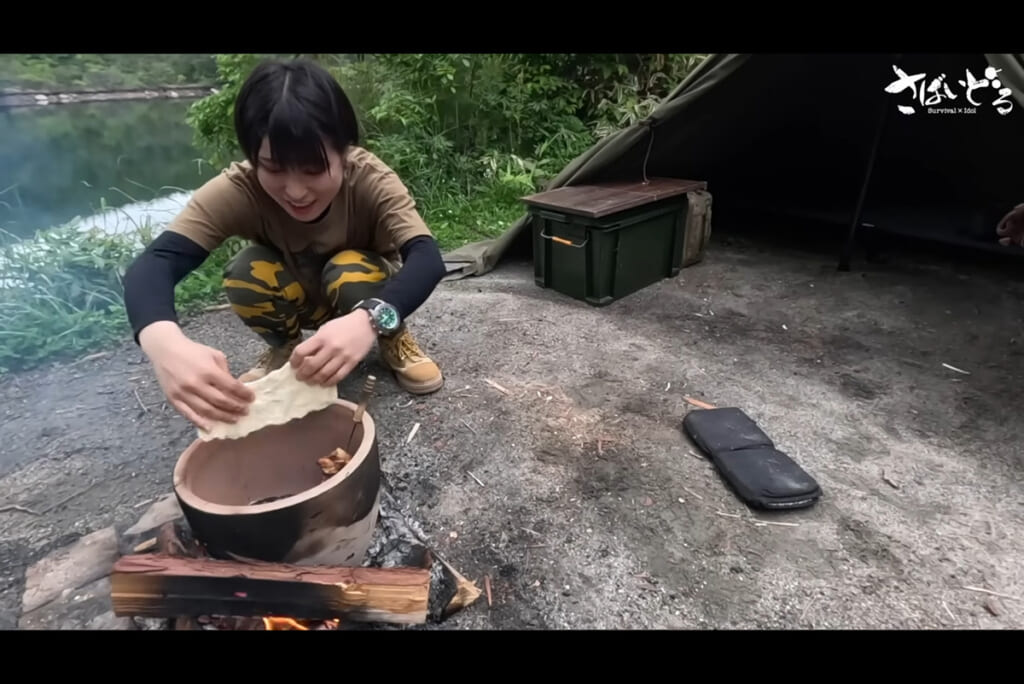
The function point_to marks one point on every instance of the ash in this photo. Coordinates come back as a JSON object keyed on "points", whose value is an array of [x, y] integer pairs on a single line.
{"points": [[398, 539]]}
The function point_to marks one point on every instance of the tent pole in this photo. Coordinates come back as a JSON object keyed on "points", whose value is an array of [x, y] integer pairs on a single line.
{"points": [[847, 253]]}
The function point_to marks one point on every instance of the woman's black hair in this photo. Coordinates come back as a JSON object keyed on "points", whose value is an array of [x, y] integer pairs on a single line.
{"points": [[297, 104]]}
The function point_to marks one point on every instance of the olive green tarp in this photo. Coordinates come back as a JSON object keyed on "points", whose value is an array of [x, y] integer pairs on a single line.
{"points": [[797, 135]]}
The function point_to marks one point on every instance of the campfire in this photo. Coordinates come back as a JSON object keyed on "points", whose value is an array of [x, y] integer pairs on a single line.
{"points": [[278, 534], [176, 579], [283, 623]]}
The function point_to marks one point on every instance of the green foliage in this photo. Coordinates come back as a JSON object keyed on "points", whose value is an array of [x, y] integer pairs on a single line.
{"points": [[467, 131], [57, 71], [213, 116], [62, 293]]}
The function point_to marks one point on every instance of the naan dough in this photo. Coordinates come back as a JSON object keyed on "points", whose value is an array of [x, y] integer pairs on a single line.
{"points": [[280, 397]]}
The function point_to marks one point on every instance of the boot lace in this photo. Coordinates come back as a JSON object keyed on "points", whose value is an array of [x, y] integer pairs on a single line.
{"points": [[406, 349]]}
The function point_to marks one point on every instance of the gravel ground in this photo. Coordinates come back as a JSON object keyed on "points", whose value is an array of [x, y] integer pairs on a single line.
{"points": [[572, 486]]}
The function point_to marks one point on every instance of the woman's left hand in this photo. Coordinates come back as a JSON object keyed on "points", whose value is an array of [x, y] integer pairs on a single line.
{"points": [[336, 348]]}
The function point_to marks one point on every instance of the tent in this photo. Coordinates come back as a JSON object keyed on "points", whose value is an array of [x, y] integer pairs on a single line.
{"points": [[920, 145]]}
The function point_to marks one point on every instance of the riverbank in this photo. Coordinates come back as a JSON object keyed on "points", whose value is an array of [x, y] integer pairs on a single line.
{"points": [[11, 97]]}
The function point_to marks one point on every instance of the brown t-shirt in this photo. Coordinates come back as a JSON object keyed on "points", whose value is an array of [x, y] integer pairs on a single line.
{"points": [[373, 211]]}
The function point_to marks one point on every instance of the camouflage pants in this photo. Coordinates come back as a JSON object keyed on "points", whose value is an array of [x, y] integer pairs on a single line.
{"points": [[274, 305]]}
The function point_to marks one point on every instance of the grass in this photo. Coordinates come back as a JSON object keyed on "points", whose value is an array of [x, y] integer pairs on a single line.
{"points": [[61, 295]]}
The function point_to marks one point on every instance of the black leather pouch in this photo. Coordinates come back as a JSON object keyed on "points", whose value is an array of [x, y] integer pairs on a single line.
{"points": [[748, 460]]}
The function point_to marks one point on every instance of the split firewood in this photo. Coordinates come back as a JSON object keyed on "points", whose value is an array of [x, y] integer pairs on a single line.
{"points": [[334, 462], [466, 591], [169, 544], [160, 585], [145, 546]]}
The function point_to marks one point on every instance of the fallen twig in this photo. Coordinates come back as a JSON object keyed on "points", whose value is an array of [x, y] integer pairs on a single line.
{"points": [[90, 357], [807, 609], [476, 478], [68, 498], [698, 403], [139, 399], [77, 409], [955, 369], [15, 507], [888, 481], [216, 307], [471, 428], [761, 523], [995, 593], [496, 386], [487, 586], [412, 433], [756, 522], [693, 493]]}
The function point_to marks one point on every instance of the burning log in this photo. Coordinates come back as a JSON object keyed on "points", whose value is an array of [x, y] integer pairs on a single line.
{"points": [[162, 585]]}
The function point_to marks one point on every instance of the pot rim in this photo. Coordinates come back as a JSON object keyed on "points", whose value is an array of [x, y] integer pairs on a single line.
{"points": [[188, 497]]}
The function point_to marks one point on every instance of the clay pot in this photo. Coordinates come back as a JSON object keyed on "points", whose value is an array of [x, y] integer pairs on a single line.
{"points": [[317, 522]]}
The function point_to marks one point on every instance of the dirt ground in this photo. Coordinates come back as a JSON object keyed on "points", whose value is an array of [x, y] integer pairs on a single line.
{"points": [[575, 490]]}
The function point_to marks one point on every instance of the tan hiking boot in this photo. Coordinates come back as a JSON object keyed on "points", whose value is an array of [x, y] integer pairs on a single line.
{"points": [[272, 359], [414, 371]]}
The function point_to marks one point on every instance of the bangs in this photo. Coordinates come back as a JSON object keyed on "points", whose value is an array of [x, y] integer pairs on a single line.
{"points": [[300, 110], [296, 140]]}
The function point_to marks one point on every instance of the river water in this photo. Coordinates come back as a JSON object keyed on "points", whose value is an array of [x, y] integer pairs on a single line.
{"points": [[114, 165]]}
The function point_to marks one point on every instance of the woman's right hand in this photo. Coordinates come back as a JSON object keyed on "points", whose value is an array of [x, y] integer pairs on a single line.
{"points": [[195, 378], [1011, 227]]}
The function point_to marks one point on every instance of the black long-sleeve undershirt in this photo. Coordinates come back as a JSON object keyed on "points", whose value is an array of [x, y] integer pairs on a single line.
{"points": [[150, 280]]}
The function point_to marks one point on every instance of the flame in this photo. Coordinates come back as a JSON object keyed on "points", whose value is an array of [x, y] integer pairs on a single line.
{"points": [[280, 624]]}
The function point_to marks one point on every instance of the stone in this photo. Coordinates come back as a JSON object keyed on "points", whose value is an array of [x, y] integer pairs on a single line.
{"points": [[70, 568], [163, 511], [150, 624], [87, 607], [109, 621]]}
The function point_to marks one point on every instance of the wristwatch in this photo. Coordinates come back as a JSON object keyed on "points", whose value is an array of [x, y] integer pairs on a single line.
{"points": [[384, 318]]}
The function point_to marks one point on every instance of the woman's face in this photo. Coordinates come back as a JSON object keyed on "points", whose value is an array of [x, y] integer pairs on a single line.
{"points": [[303, 193]]}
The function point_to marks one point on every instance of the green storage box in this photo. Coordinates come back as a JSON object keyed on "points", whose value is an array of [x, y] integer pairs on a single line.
{"points": [[599, 243]]}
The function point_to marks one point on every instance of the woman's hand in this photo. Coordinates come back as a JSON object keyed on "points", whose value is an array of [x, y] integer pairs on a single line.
{"points": [[1011, 227], [195, 378], [336, 348]]}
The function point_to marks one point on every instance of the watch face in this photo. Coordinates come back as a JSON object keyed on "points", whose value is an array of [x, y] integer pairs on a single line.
{"points": [[387, 318]]}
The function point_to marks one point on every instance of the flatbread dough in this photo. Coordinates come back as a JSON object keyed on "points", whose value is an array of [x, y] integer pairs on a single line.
{"points": [[280, 397]]}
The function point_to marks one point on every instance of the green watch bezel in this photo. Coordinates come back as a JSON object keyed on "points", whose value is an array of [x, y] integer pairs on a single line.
{"points": [[378, 309]]}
